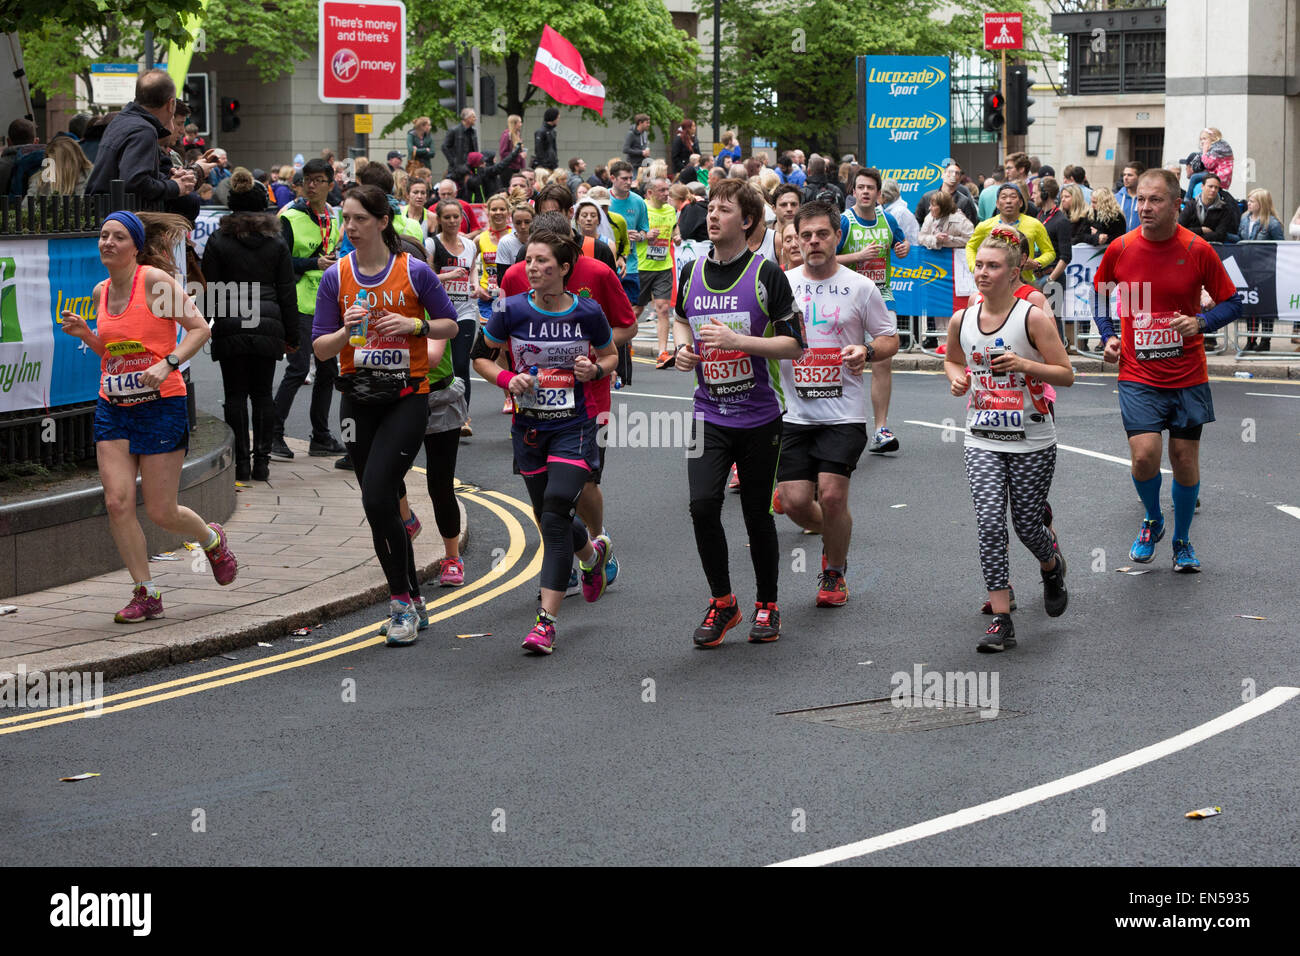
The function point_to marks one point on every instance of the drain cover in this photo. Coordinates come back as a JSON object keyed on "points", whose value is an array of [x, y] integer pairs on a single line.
{"points": [[883, 716]]}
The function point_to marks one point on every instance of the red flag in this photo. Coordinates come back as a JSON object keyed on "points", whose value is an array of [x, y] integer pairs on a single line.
{"points": [[559, 71]]}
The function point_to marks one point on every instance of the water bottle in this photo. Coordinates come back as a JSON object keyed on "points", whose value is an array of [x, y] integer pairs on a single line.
{"points": [[358, 337], [618, 381], [1243, 375]]}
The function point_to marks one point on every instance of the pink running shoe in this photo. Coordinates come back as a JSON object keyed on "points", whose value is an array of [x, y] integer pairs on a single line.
{"points": [[596, 580], [452, 572], [413, 526], [541, 639], [222, 559], [143, 607]]}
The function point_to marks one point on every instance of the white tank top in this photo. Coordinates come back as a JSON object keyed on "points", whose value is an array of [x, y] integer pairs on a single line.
{"points": [[1009, 412]]}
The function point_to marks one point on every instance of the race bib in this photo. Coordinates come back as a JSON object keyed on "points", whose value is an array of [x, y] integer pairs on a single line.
{"points": [[554, 396], [123, 378], [874, 269], [727, 373], [818, 373], [997, 414], [457, 289], [657, 250], [1153, 339], [389, 353]]}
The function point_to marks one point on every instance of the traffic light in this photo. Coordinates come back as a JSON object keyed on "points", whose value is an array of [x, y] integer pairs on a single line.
{"points": [[1018, 100], [993, 104], [455, 84], [229, 114], [195, 93], [487, 95]]}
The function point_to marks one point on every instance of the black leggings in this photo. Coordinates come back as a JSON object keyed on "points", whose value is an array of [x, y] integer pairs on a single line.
{"points": [[385, 441], [460, 348], [245, 377], [755, 452], [440, 451], [554, 494]]}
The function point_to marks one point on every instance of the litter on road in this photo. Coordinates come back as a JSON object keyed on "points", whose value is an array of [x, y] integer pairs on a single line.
{"points": [[80, 776], [1204, 812]]}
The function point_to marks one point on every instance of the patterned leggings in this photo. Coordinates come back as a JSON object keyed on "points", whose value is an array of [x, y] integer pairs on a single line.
{"points": [[1028, 477]]}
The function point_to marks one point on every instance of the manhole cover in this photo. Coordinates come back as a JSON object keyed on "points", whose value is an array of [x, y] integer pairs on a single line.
{"points": [[884, 716]]}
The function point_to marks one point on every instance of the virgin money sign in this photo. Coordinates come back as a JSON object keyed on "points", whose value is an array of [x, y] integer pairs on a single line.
{"points": [[1004, 31], [362, 52]]}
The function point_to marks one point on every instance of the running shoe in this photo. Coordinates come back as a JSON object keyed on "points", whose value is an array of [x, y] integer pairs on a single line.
{"points": [[611, 572], [667, 359], [1055, 597], [221, 558], [1185, 558], [421, 614], [734, 483], [723, 614], [595, 579], [1000, 636], [882, 441], [143, 607], [541, 639], [767, 623], [1144, 546], [832, 591], [451, 572], [574, 587], [412, 526], [776, 501], [988, 605], [403, 624]]}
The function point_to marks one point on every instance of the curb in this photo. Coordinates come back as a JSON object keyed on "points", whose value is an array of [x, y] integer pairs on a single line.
{"points": [[237, 628]]}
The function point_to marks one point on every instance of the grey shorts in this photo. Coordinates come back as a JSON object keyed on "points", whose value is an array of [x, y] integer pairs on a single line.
{"points": [[655, 285], [447, 408]]}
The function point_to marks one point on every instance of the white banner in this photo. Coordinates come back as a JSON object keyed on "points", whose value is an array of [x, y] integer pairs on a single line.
{"points": [[26, 332]]}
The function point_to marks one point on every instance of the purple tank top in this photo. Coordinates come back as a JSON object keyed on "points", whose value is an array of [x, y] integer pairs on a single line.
{"points": [[735, 389]]}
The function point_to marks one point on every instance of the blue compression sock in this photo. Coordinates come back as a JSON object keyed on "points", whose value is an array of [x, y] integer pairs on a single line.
{"points": [[1149, 492], [1184, 508]]}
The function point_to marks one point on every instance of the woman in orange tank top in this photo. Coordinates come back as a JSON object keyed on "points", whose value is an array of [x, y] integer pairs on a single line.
{"points": [[141, 419]]}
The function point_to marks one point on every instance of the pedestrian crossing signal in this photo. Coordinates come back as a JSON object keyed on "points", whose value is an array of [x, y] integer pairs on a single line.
{"points": [[229, 114], [993, 106]]}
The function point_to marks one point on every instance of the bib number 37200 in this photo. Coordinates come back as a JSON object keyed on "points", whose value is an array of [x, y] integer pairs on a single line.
{"points": [[1153, 339]]}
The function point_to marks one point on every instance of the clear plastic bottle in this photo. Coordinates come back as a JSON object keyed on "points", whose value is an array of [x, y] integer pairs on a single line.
{"points": [[358, 337]]}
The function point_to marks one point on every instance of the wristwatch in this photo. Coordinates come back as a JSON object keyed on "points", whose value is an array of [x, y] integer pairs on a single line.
{"points": [[174, 360], [871, 352]]}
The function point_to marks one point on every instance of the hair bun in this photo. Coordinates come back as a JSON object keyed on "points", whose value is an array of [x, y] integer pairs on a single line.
{"points": [[241, 180]]}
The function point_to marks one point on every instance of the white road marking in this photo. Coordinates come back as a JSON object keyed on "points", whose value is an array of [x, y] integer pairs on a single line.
{"points": [[1127, 463], [1291, 510], [677, 398], [1084, 778], [1272, 395], [1077, 383]]}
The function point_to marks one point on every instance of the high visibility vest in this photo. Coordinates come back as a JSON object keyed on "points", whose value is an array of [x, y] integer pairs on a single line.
{"points": [[309, 239]]}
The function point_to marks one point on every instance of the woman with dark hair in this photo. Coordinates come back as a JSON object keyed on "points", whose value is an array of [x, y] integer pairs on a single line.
{"points": [[684, 144], [141, 418], [456, 261], [371, 312], [536, 346], [248, 248]]}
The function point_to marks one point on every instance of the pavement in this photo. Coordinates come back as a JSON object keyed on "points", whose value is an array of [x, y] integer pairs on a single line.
{"points": [[305, 555]]}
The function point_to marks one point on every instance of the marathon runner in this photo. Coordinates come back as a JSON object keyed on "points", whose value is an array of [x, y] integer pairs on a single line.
{"points": [[654, 263], [736, 320], [548, 335], [1159, 271], [825, 427], [457, 262], [1013, 350], [370, 311], [869, 238], [589, 279]]}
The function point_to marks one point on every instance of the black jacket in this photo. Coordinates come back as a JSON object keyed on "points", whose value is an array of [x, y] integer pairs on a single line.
{"points": [[634, 144], [682, 153], [1217, 219], [692, 221], [1111, 228], [545, 152], [129, 151], [460, 142], [248, 248], [812, 188], [485, 181], [965, 205]]}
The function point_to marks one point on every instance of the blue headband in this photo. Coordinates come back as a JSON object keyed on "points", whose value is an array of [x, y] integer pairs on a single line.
{"points": [[133, 225]]}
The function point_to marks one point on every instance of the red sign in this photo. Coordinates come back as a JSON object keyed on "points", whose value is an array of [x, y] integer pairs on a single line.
{"points": [[1004, 31], [362, 52]]}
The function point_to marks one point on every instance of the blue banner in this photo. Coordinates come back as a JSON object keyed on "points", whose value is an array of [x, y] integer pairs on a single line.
{"points": [[907, 108], [922, 282], [74, 271]]}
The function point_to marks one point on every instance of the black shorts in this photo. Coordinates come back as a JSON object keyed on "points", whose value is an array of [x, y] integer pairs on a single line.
{"points": [[810, 450]]}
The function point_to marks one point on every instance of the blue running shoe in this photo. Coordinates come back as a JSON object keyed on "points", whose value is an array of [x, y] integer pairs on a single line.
{"points": [[421, 613], [1185, 558], [403, 624], [575, 584], [611, 571], [1144, 546]]}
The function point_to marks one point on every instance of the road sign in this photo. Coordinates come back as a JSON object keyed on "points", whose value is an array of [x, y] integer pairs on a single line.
{"points": [[113, 84], [363, 122], [362, 52], [1004, 31]]}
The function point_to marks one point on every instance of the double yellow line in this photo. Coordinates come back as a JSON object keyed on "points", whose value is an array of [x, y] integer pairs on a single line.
{"points": [[463, 599]]}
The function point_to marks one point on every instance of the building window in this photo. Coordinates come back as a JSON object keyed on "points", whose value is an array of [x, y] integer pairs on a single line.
{"points": [[1149, 147], [1144, 62]]}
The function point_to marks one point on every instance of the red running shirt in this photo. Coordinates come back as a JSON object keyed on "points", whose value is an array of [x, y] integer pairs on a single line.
{"points": [[1156, 281]]}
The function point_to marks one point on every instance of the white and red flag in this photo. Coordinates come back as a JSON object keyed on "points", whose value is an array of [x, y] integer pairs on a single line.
{"points": [[559, 71]]}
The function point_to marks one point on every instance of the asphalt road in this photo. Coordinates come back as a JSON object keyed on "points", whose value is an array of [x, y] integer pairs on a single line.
{"points": [[469, 751]]}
